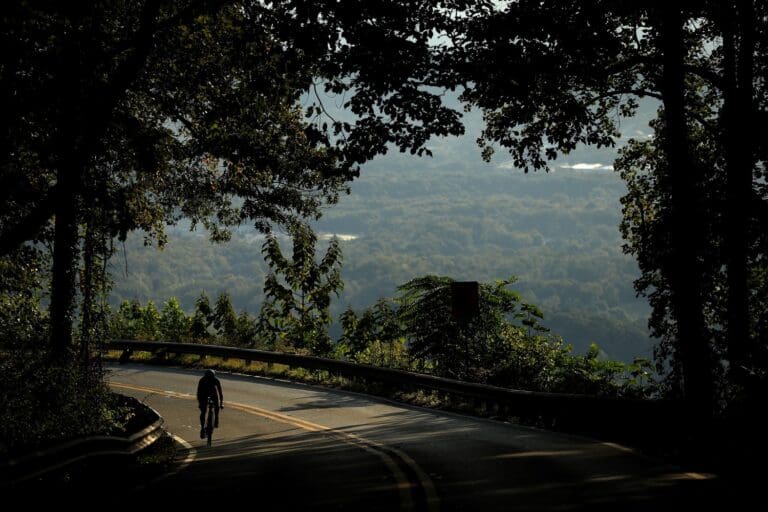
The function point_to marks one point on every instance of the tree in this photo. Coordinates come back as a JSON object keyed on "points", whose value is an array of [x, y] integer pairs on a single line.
{"points": [[124, 116], [550, 76], [151, 320], [174, 323], [377, 324], [202, 318], [504, 344], [133, 322], [469, 348], [245, 330], [126, 322], [111, 132], [298, 291], [23, 320], [732, 247], [225, 318], [135, 114]]}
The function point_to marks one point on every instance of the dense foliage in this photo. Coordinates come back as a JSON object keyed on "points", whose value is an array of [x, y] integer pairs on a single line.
{"points": [[503, 344], [556, 232], [565, 75], [41, 401], [124, 116]]}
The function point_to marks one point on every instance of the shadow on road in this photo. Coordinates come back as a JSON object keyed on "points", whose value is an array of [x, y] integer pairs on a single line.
{"points": [[406, 458], [322, 471], [298, 470]]}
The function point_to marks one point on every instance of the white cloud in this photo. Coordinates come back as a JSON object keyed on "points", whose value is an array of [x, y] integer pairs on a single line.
{"points": [[587, 167], [341, 236]]}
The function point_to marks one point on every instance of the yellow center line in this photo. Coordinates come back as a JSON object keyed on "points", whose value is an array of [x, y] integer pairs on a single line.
{"points": [[404, 486]]}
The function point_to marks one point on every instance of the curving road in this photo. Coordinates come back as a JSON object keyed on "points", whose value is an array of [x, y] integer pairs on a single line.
{"points": [[305, 447]]}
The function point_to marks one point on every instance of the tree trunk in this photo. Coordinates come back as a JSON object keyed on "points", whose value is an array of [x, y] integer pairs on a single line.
{"points": [[65, 209], [65, 258], [738, 42], [684, 269]]}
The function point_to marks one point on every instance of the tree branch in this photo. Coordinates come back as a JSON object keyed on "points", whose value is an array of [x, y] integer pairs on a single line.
{"points": [[26, 229]]}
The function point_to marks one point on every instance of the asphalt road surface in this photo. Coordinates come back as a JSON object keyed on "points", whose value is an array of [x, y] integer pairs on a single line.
{"points": [[308, 448]]}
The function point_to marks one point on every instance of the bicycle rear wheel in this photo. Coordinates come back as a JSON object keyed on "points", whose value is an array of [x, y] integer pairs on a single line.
{"points": [[209, 426]]}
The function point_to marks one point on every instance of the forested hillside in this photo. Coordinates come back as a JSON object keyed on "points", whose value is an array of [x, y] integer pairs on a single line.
{"points": [[454, 215], [557, 232]]}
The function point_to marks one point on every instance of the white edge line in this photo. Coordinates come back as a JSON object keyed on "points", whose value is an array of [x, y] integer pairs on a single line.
{"points": [[191, 455]]}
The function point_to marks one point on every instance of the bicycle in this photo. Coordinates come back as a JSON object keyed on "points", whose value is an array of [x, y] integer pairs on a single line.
{"points": [[209, 421]]}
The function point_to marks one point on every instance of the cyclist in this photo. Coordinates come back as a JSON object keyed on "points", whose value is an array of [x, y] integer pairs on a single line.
{"points": [[209, 385]]}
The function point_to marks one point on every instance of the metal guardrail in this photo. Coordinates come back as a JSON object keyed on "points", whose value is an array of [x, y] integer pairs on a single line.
{"points": [[622, 419], [40, 462]]}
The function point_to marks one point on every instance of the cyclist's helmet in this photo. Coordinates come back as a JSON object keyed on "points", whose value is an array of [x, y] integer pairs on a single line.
{"points": [[210, 373]]}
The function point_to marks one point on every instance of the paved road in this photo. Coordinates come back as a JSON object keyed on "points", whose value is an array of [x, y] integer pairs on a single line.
{"points": [[311, 448]]}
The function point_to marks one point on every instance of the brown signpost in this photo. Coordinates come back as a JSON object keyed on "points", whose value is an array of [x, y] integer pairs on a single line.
{"points": [[465, 300]]}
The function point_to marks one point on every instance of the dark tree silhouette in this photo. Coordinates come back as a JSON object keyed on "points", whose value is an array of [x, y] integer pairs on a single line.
{"points": [[137, 114], [550, 76]]}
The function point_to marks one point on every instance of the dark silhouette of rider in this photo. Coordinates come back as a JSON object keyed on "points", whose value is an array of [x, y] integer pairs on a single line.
{"points": [[209, 385]]}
